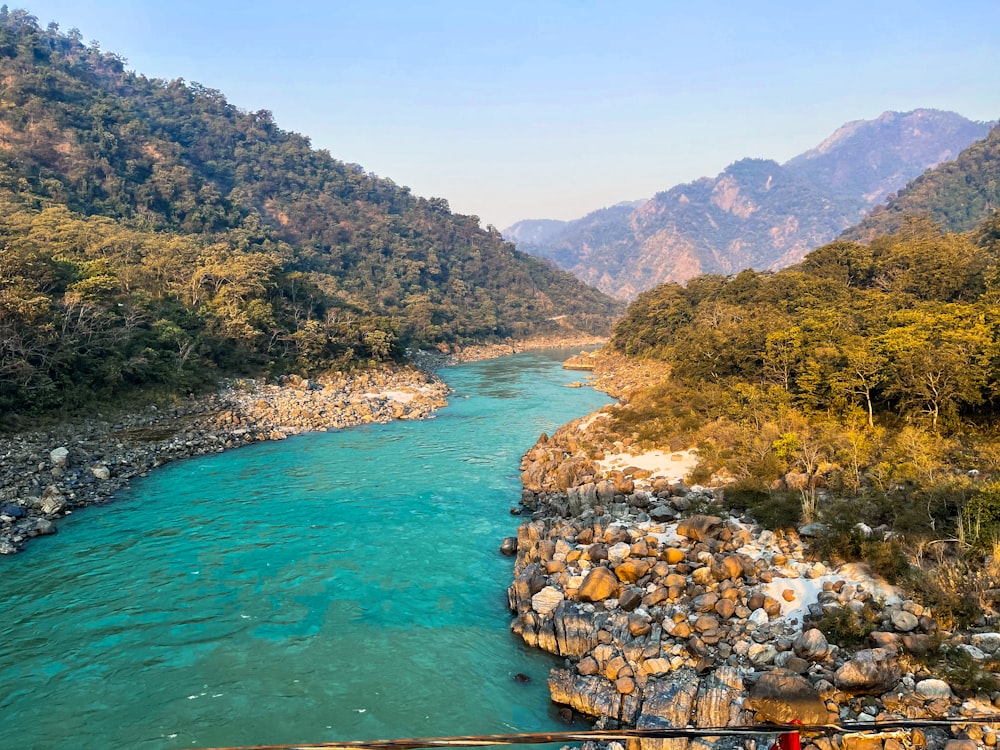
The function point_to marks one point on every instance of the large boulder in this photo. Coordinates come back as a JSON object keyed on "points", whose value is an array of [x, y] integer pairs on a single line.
{"points": [[698, 527], [600, 584], [872, 671], [811, 645], [52, 501], [782, 696], [60, 457]]}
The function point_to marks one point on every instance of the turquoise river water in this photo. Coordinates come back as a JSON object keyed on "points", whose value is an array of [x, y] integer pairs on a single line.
{"points": [[332, 586]]}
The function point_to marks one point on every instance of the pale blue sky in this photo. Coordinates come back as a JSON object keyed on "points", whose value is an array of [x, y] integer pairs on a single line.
{"points": [[553, 108]]}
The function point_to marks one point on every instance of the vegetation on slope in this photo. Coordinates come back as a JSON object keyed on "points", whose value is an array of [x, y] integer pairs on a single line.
{"points": [[956, 195], [153, 233], [861, 385]]}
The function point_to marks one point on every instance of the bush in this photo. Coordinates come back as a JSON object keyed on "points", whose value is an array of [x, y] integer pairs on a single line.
{"points": [[848, 628], [981, 517]]}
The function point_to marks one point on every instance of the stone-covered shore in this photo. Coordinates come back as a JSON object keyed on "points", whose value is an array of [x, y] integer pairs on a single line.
{"points": [[669, 611], [47, 474]]}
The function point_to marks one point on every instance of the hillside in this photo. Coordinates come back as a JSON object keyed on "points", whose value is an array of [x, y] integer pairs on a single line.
{"points": [[154, 232], [756, 213], [956, 195]]}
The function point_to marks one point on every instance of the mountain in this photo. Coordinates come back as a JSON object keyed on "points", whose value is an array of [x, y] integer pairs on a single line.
{"points": [[757, 213], [153, 232], [956, 195]]}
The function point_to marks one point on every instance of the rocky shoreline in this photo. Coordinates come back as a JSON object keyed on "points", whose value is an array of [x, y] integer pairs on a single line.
{"points": [[47, 474], [671, 612]]}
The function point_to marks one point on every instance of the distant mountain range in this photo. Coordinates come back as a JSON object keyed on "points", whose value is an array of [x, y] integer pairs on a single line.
{"points": [[757, 213]]}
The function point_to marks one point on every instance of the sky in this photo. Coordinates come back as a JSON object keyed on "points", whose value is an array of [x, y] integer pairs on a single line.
{"points": [[553, 108]]}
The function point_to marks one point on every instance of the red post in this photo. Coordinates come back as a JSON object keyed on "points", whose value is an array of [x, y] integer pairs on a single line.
{"points": [[788, 740]]}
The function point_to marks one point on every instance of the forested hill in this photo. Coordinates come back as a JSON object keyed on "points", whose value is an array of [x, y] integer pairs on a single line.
{"points": [[153, 232], [957, 194]]}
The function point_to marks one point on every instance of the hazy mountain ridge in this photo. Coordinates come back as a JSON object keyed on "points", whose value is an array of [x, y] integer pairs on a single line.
{"points": [[957, 195], [756, 213]]}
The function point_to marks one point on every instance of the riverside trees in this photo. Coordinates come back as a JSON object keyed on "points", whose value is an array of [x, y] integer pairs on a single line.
{"points": [[837, 369]]}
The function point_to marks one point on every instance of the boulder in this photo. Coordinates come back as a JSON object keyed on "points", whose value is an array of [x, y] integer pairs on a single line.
{"points": [[546, 600], [592, 695], [781, 696], [932, 689], [508, 546], [728, 567], [600, 584], [631, 570], [903, 621], [100, 471], [811, 645], [60, 457], [872, 671], [52, 501], [698, 527]]}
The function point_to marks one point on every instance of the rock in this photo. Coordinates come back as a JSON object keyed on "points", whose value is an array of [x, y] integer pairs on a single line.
{"points": [[619, 552], [52, 501], [576, 631], [720, 700], [667, 705], [508, 546], [625, 685], [631, 570], [729, 567], [655, 667], [592, 695], [60, 457], [698, 527], [528, 583], [781, 696], [974, 653], [872, 671], [762, 654], [600, 584], [546, 600], [916, 643], [759, 617], [588, 665], [630, 599], [811, 645], [101, 472], [673, 555], [903, 621], [13, 511], [7, 548], [44, 527], [986, 642], [933, 689]]}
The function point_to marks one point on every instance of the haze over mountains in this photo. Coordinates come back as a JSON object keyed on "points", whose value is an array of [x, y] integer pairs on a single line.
{"points": [[757, 213]]}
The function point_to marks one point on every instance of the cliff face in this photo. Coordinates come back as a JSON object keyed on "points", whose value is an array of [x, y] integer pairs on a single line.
{"points": [[757, 213]]}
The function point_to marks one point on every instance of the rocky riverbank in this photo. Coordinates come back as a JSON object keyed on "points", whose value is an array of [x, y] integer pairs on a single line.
{"points": [[47, 474], [670, 612]]}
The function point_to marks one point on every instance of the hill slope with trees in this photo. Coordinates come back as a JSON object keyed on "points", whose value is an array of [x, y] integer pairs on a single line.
{"points": [[153, 232], [956, 195]]}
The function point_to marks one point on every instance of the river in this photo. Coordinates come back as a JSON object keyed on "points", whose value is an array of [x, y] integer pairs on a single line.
{"points": [[332, 586]]}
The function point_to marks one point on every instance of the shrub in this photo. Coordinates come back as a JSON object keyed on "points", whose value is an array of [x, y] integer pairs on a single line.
{"points": [[981, 517], [849, 628]]}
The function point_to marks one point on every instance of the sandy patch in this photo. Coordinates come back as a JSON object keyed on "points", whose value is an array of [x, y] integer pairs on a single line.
{"points": [[672, 465], [807, 590]]}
